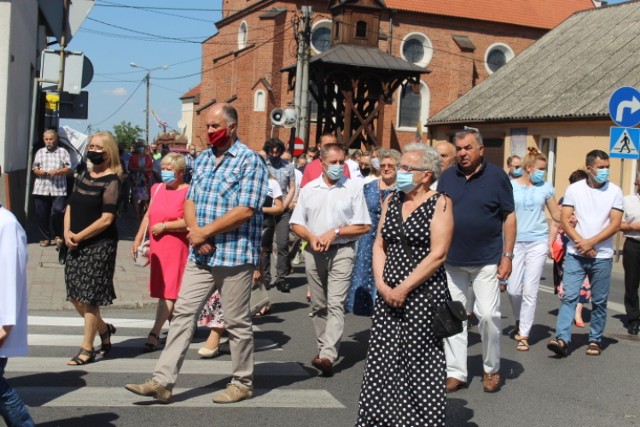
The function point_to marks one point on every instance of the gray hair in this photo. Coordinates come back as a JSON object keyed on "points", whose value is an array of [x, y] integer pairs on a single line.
{"points": [[430, 157], [470, 131], [390, 153], [325, 149], [230, 114]]}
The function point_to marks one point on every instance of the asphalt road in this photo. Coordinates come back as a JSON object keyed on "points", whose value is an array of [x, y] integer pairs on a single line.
{"points": [[538, 389]]}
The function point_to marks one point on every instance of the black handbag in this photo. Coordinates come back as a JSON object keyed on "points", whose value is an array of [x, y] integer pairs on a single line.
{"points": [[448, 318]]}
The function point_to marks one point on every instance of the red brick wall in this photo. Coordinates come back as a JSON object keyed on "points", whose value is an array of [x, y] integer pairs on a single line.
{"points": [[452, 71]]}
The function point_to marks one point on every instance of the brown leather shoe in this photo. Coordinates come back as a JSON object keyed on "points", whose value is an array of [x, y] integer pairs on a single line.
{"points": [[324, 365], [454, 384], [151, 388], [232, 394], [491, 382]]}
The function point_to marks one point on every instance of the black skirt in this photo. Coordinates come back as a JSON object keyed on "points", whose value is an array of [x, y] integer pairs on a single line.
{"points": [[89, 271]]}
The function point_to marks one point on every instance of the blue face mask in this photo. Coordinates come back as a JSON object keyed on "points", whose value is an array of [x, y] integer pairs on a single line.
{"points": [[334, 172], [537, 176], [404, 181], [140, 149], [168, 177], [602, 176], [517, 172]]}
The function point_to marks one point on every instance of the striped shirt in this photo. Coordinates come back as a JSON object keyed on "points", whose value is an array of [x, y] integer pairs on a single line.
{"points": [[240, 179], [51, 160]]}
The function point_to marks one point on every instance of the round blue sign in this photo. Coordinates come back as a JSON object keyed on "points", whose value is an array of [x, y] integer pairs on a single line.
{"points": [[624, 106]]}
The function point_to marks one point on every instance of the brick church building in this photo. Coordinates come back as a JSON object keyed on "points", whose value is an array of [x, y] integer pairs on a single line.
{"points": [[459, 43]]}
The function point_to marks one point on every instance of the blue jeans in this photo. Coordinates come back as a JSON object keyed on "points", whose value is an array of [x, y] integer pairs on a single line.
{"points": [[12, 409], [599, 272]]}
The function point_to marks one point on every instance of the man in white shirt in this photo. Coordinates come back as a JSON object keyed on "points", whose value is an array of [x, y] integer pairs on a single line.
{"points": [[631, 257], [597, 204], [331, 214], [13, 313]]}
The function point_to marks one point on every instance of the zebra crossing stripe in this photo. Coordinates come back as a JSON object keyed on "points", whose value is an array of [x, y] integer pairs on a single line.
{"points": [[79, 321], [146, 366], [182, 398]]}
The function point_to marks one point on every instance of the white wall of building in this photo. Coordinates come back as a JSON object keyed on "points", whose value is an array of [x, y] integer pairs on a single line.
{"points": [[187, 119]]}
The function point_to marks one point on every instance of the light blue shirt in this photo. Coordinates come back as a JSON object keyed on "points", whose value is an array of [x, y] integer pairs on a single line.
{"points": [[530, 202]]}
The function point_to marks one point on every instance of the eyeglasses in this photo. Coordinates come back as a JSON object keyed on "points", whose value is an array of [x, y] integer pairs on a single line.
{"points": [[388, 166], [408, 168], [96, 147], [470, 129]]}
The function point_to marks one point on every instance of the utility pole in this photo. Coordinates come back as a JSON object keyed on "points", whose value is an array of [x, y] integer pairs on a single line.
{"points": [[147, 115], [302, 76]]}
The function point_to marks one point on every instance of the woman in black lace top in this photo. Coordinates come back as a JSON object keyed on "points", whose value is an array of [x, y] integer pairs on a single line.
{"points": [[91, 235]]}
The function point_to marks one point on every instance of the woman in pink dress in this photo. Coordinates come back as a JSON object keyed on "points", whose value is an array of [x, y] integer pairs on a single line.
{"points": [[169, 247]]}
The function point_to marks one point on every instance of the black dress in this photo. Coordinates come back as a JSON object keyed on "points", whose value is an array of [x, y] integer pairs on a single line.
{"points": [[404, 377], [89, 269]]}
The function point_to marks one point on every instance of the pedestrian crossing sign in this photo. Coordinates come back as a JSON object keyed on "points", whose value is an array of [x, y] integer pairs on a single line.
{"points": [[624, 143]]}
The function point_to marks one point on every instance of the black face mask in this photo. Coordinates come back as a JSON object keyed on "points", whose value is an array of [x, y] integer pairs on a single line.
{"points": [[365, 171], [96, 157]]}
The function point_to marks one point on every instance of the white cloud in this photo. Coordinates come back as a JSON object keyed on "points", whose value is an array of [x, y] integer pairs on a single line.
{"points": [[119, 91]]}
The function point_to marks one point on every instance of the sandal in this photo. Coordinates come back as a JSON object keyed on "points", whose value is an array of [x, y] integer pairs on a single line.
{"points": [[265, 310], [559, 347], [149, 347], [105, 347], [593, 349], [523, 343], [78, 361], [45, 243]]}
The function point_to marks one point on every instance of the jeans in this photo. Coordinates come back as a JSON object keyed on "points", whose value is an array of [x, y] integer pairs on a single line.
{"points": [[12, 408], [599, 272]]}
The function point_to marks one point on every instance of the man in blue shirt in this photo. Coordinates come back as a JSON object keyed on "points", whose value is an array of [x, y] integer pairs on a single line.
{"points": [[480, 254], [223, 216]]}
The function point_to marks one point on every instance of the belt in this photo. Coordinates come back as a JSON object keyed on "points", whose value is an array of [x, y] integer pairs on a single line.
{"points": [[341, 245]]}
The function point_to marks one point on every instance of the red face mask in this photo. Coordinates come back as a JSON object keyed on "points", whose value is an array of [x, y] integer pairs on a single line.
{"points": [[218, 138]]}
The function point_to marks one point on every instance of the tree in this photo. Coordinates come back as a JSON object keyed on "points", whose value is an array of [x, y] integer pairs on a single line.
{"points": [[126, 133]]}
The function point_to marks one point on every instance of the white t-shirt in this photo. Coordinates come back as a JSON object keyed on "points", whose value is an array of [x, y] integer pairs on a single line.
{"points": [[275, 190], [354, 172], [632, 213], [13, 284], [592, 207]]}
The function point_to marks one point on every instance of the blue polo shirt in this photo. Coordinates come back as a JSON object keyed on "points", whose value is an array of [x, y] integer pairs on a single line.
{"points": [[479, 207]]}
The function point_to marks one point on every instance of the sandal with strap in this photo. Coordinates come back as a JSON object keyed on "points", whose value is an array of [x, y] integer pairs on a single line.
{"points": [[523, 344], [78, 361], [265, 310], [559, 347], [593, 349], [105, 347], [149, 347]]}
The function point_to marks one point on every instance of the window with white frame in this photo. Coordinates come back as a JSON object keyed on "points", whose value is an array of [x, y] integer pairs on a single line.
{"points": [[413, 106], [243, 35], [321, 36], [497, 55], [259, 100], [417, 49]]}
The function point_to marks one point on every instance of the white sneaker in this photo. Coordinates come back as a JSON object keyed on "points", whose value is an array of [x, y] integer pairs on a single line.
{"points": [[205, 353]]}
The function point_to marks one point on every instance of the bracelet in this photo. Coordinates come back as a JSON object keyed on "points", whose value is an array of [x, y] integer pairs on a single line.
{"points": [[509, 255], [164, 226]]}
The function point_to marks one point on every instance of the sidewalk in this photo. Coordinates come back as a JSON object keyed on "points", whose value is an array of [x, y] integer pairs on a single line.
{"points": [[45, 276]]}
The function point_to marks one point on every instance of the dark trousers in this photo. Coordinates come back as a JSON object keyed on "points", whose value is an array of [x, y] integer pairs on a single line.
{"points": [[49, 215], [282, 245], [631, 264], [12, 408]]}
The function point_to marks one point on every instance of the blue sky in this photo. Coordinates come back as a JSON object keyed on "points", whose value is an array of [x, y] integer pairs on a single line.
{"points": [[151, 33]]}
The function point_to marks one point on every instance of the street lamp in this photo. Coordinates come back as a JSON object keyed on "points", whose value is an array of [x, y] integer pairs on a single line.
{"points": [[148, 79]]}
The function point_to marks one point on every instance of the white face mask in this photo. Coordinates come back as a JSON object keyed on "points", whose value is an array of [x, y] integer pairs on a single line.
{"points": [[375, 163]]}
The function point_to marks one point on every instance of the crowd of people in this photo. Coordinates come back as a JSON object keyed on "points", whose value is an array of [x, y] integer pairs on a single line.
{"points": [[383, 234]]}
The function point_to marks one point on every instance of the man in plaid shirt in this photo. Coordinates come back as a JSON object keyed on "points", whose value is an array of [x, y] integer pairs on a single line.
{"points": [[223, 215], [50, 166]]}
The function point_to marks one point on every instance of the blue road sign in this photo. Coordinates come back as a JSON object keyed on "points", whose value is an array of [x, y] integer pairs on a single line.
{"points": [[624, 143], [624, 106]]}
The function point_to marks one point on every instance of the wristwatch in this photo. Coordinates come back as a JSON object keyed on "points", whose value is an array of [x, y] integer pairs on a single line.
{"points": [[337, 231], [508, 255]]}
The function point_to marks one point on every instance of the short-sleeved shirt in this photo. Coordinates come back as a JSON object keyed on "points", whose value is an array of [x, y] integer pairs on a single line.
{"points": [[530, 202], [274, 192], [283, 172], [632, 214], [480, 205], [592, 207], [240, 179], [90, 198], [51, 160], [321, 208], [313, 170]]}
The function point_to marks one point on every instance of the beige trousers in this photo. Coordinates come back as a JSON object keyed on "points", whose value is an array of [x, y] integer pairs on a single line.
{"points": [[198, 283], [329, 276]]}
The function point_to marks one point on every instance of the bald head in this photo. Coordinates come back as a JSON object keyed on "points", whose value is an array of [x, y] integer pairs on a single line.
{"points": [[447, 153]]}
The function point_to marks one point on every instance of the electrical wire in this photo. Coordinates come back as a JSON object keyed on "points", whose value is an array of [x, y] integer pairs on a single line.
{"points": [[123, 104]]}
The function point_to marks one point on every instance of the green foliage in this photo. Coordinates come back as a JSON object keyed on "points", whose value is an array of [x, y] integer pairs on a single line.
{"points": [[126, 133]]}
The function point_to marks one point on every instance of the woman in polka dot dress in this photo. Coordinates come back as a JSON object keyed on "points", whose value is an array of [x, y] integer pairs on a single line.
{"points": [[404, 378]]}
